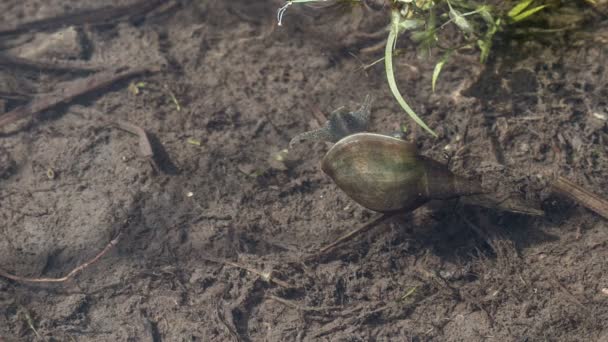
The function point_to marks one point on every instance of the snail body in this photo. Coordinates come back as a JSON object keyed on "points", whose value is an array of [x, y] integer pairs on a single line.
{"points": [[385, 174]]}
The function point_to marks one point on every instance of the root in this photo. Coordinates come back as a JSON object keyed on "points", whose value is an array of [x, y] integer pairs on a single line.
{"points": [[71, 274]]}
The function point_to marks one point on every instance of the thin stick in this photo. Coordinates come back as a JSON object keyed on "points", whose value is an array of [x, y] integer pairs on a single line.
{"points": [[319, 116], [85, 17], [44, 65], [144, 143], [377, 47], [348, 236], [67, 93], [589, 200], [266, 276], [69, 275], [14, 96]]}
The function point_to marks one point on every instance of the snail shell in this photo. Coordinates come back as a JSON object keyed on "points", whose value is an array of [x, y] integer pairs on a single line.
{"points": [[385, 174]]}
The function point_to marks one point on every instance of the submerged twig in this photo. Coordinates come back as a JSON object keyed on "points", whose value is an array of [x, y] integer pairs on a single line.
{"points": [[348, 236], [43, 65], [72, 273], [15, 97], [85, 17], [144, 143], [580, 195], [29, 320], [508, 203], [68, 93]]}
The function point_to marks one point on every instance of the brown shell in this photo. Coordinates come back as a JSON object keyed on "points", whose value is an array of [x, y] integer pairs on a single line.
{"points": [[385, 174]]}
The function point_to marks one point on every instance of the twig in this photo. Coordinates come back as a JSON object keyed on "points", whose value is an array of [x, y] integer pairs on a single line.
{"points": [[589, 200], [363, 228], [319, 116], [42, 65], [69, 275], [144, 143], [259, 126], [507, 203], [266, 276], [145, 147], [376, 47], [85, 17], [68, 93], [229, 324], [14, 96], [29, 320]]}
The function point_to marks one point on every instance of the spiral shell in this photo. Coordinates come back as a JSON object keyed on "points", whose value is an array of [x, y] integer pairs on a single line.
{"points": [[385, 174]]}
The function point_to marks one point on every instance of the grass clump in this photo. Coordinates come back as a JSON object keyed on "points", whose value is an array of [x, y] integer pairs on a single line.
{"points": [[475, 24]]}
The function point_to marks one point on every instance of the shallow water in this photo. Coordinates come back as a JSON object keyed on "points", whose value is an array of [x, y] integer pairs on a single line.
{"points": [[214, 206]]}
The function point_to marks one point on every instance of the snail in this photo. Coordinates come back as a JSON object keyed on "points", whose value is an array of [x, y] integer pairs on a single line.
{"points": [[381, 172], [385, 174]]}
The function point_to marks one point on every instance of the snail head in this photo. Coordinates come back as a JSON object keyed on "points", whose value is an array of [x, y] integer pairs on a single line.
{"points": [[340, 124]]}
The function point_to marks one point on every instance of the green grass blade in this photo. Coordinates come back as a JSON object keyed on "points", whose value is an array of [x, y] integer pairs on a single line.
{"points": [[390, 74], [485, 12], [522, 5], [528, 13], [485, 45], [438, 68]]}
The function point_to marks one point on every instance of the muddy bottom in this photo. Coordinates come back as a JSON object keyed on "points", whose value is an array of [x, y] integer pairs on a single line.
{"points": [[216, 238]]}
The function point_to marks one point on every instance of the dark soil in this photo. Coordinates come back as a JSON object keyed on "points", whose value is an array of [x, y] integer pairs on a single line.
{"points": [[199, 215]]}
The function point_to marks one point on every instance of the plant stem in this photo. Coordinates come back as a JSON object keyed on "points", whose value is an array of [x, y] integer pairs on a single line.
{"points": [[390, 73]]}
